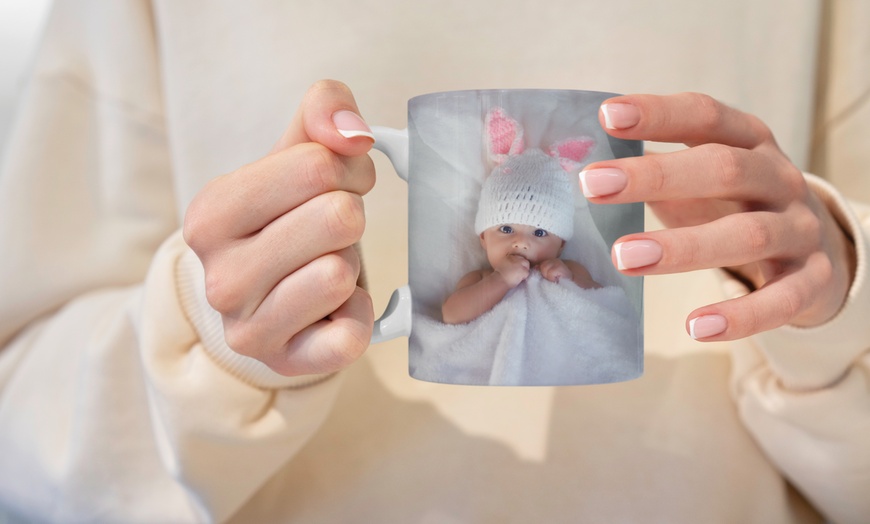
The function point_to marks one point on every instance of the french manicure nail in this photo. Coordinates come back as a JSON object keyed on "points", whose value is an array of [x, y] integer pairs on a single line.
{"points": [[707, 326], [602, 182], [351, 125], [620, 116], [637, 253]]}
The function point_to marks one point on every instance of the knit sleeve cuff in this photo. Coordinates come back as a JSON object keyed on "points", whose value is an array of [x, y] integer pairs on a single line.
{"points": [[816, 357], [190, 279]]}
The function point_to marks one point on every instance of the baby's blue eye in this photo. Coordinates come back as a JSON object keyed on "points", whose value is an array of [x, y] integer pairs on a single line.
{"points": [[541, 232], [506, 229]]}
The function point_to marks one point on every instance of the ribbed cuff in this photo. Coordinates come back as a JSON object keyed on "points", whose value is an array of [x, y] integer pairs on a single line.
{"points": [[190, 280], [816, 357]]}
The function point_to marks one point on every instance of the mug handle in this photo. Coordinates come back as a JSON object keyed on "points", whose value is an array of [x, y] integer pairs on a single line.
{"points": [[396, 320]]}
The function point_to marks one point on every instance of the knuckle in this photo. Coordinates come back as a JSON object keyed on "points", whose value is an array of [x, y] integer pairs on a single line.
{"points": [[655, 178], [729, 166], [824, 271], [791, 302], [337, 279], [689, 254], [751, 320], [192, 228], [219, 293], [752, 315], [710, 111], [196, 228], [794, 185], [346, 347], [364, 169], [322, 168], [757, 235], [810, 227], [762, 132], [345, 218], [240, 338]]}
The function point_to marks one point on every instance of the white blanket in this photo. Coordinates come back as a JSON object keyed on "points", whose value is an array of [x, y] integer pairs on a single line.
{"points": [[541, 333]]}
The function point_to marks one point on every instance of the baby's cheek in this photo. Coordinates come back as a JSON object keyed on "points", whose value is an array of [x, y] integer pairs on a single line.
{"points": [[550, 252]]}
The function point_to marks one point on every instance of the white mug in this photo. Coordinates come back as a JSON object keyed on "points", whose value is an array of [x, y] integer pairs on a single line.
{"points": [[494, 200]]}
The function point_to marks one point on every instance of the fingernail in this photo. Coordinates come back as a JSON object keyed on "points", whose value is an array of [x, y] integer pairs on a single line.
{"points": [[602, 182], [351, 125], [707, 326], [637, 253], [620, 116]]}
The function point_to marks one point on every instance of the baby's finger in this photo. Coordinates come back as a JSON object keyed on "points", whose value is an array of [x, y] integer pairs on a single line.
{"points": [[781, 301], [688, 118], [522, 261], [733, 240], [330, 344], [554, 274], [706, 171]]}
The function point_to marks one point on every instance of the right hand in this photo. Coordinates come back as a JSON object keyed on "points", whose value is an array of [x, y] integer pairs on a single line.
{"points": [[513, 270], [276, 240], [732, 200]]}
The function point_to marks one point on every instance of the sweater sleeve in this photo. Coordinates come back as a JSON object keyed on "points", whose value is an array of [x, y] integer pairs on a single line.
{"points": [[119, 400], [223, 423], [804, 393]]}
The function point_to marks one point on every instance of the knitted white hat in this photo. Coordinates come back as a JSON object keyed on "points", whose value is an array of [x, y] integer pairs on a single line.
{"points": [[531, 189]]}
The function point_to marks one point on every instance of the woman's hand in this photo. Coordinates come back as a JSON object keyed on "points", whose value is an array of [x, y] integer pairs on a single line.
{"points": [[275, 238], [731, 200]]}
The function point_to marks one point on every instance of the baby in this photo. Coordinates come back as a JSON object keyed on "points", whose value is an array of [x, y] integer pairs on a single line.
{"points": [[524, 218]]}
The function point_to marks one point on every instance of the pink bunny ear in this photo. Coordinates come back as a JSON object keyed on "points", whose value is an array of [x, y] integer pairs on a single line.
{"points": [[504, 135], [572, 151]]}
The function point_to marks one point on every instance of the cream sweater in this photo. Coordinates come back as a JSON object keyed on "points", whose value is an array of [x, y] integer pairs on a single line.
{"points": [[120, 402]]}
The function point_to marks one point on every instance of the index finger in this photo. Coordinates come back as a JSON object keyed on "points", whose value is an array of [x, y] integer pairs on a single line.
{"points": [[246, 200], [688, 118]]}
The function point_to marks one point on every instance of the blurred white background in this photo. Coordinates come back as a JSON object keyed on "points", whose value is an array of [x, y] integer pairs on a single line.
{"points": [[21, 23]]}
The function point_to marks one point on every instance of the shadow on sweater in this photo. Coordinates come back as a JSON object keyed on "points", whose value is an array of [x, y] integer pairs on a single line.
{"points": [[664, 448]]}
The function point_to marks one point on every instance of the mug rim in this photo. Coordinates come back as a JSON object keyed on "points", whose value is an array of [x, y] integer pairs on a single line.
{"points": [[465, 92]]}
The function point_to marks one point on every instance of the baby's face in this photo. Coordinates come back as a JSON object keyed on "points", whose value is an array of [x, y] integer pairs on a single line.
{"points": [[534, 244]]}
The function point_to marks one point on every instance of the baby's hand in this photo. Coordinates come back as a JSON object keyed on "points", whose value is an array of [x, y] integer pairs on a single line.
{"points": [[555, 270], [513, 270]]}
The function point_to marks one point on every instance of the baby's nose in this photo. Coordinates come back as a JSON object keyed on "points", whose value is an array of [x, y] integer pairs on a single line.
{"points": [[521, 244]]}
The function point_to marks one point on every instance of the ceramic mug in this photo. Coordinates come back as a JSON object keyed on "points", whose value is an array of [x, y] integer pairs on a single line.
{"points": [[510, 276]]}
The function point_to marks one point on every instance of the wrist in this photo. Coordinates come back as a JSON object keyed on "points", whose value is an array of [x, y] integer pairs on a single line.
{"points": [[501, 280]]}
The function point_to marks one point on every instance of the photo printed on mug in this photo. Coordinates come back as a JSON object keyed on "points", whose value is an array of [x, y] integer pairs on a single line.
{"points": [[510, 274]]}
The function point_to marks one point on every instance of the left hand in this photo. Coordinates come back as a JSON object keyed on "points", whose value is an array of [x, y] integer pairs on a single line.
{"points": [[275, 238], [555, 270], [731, 200]]}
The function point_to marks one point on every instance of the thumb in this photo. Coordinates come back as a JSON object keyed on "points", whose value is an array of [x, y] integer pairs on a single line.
{"points": [[329, 116]]}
